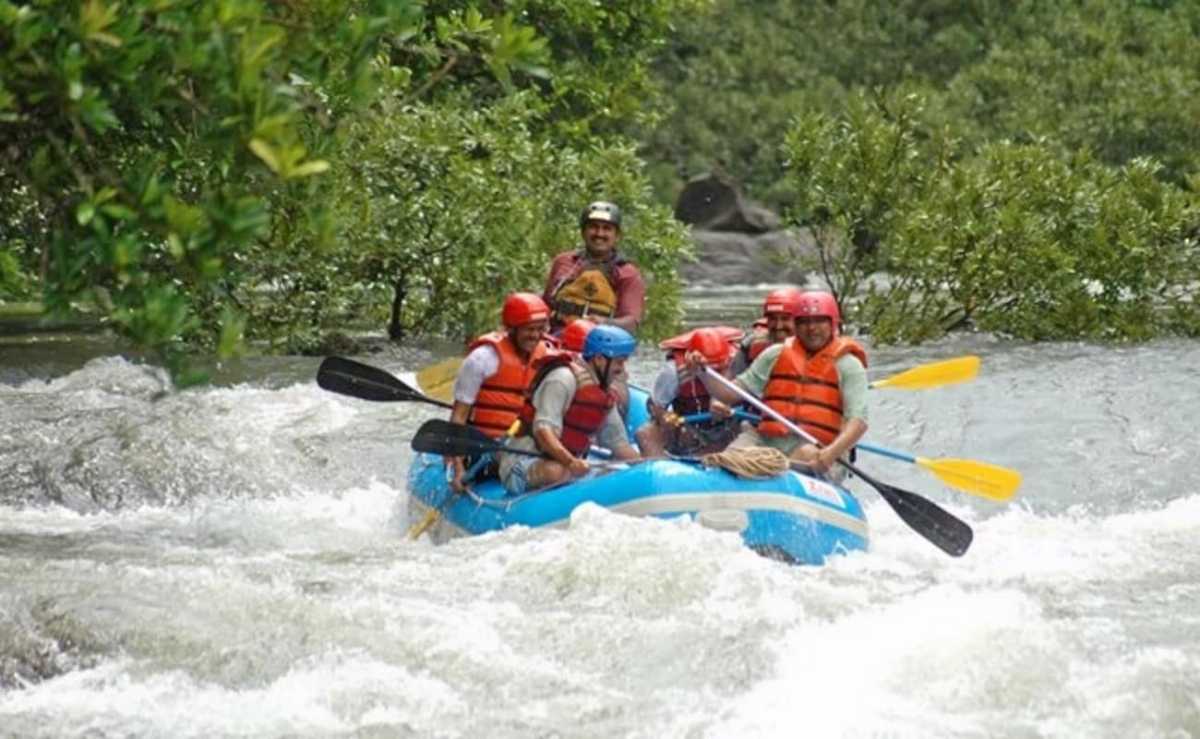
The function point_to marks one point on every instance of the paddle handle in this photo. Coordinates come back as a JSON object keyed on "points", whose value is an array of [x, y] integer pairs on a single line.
{"points": [[887, 452]]}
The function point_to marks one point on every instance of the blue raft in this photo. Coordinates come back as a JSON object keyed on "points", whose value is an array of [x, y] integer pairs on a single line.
{"points": [[792, 517]]}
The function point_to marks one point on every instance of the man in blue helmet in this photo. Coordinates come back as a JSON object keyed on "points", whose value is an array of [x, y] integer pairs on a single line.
{"points": [[573, 404], [596, 282]]}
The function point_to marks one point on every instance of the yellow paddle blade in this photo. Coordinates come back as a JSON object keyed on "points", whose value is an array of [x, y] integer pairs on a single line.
{"points": [[983, 479], [934, 374], [437, 380]]}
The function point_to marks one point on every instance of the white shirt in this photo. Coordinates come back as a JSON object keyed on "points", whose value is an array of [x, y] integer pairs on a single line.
{"points": [[480, 364]]}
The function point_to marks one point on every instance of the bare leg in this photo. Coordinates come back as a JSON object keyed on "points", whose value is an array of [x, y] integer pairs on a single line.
{"points": [[546, 472]]}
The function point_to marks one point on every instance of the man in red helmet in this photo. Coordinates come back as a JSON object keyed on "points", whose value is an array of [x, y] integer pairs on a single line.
{"points": [[595, 282], [490, 388], [816, 379], [679, 392], [776, 325]]}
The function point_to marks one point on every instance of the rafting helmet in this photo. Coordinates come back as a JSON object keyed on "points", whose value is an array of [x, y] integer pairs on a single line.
{"points": [[575, 334], [709, 342], [600, 210], [522, 309], [609, 341], [820, 303], [783, 300]]}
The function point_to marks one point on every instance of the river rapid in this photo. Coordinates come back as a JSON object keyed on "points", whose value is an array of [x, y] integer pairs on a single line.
{"points": [[232, 561]]}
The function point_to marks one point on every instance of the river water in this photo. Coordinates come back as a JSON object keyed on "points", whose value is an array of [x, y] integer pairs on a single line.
{"points": [[232, 562]]}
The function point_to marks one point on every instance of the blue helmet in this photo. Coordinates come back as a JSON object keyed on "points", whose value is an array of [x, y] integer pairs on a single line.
{"points": [[609, 341]]}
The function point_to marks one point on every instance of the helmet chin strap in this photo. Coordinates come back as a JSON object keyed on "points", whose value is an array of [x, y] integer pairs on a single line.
{"points": [[604, 377]]}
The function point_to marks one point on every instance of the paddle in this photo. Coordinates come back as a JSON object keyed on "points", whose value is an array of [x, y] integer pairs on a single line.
{"points": [[456, 440], [968, 475], [347, 377], [923, 516], [437, 380], [933, 374]]}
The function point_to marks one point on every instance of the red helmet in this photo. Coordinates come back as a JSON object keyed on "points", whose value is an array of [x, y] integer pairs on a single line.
{"points": [[575, 334], [717, 349], [521, 309], [820, 303], [784, 300]]}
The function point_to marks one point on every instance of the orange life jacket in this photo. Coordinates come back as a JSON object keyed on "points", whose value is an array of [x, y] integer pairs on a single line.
{"points": [[587, 411], [502, 395], [804, 389]]}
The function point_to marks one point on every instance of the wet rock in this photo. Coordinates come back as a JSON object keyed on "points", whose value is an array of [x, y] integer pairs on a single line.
{"points": [[712, 203], [737, 240], [733, 258]]}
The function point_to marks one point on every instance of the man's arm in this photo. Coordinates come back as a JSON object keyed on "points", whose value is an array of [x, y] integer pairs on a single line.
{"points": [[753, 380], [550, 402], [480, 364], [613, 436], [852, 383], [631, 298]]}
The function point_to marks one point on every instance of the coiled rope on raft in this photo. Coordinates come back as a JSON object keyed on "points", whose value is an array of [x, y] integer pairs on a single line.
{"points": [[750, 463]]}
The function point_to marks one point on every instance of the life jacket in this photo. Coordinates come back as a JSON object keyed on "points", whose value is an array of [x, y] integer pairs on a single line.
{"points": [[587, 292], [587, 411], [692, 396], [502, 395], [804, 389]]}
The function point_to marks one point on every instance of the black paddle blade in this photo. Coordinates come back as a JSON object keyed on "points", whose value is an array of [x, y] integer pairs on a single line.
{"points": [[347, 377], [925, 517], [452, 439]]}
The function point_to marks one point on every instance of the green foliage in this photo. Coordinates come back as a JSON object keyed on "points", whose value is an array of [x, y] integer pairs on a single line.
{"points": [[148, 136], [447, 209], [1118, 78], [200, 172], [1012, 238]]}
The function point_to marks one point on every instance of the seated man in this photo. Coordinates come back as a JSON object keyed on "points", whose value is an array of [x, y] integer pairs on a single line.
{"points": [[817, 380], [596, 282], [777, 323], [679, 392], [572, 405], [490, 389]]}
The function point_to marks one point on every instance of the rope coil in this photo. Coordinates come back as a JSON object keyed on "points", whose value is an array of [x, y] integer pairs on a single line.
{"points": [[750, 463]]}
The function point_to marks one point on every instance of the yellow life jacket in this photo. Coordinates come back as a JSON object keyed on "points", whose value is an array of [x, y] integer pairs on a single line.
{"points": [[590, 293]]}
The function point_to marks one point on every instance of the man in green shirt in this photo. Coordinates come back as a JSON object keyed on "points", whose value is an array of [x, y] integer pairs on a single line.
{"points": [[816, 379]]}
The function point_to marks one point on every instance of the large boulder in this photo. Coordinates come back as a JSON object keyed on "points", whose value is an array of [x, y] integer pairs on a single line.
{"points": [[711, 203], [726, 258]]}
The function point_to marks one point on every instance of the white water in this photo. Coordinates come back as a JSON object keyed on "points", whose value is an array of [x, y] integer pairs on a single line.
{"points": [[233, 562]]}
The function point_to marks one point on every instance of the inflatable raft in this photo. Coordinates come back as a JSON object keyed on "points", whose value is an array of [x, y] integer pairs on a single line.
{"points": [[792, 517]]}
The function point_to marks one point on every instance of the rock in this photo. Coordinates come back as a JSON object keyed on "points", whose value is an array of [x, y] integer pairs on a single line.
{"points": [[733, 258], [711, 203]]}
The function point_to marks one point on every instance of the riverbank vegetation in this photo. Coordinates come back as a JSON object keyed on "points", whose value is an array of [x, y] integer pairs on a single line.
{"points": [[205, 174], [1028, 167]]}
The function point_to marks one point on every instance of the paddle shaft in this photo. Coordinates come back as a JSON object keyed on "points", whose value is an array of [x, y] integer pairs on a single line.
{"points": [[768, 410], [708, 416], [923, 516]]}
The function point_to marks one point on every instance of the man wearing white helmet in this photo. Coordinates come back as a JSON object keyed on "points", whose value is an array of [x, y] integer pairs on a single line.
{"points": [[596, 282]]}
